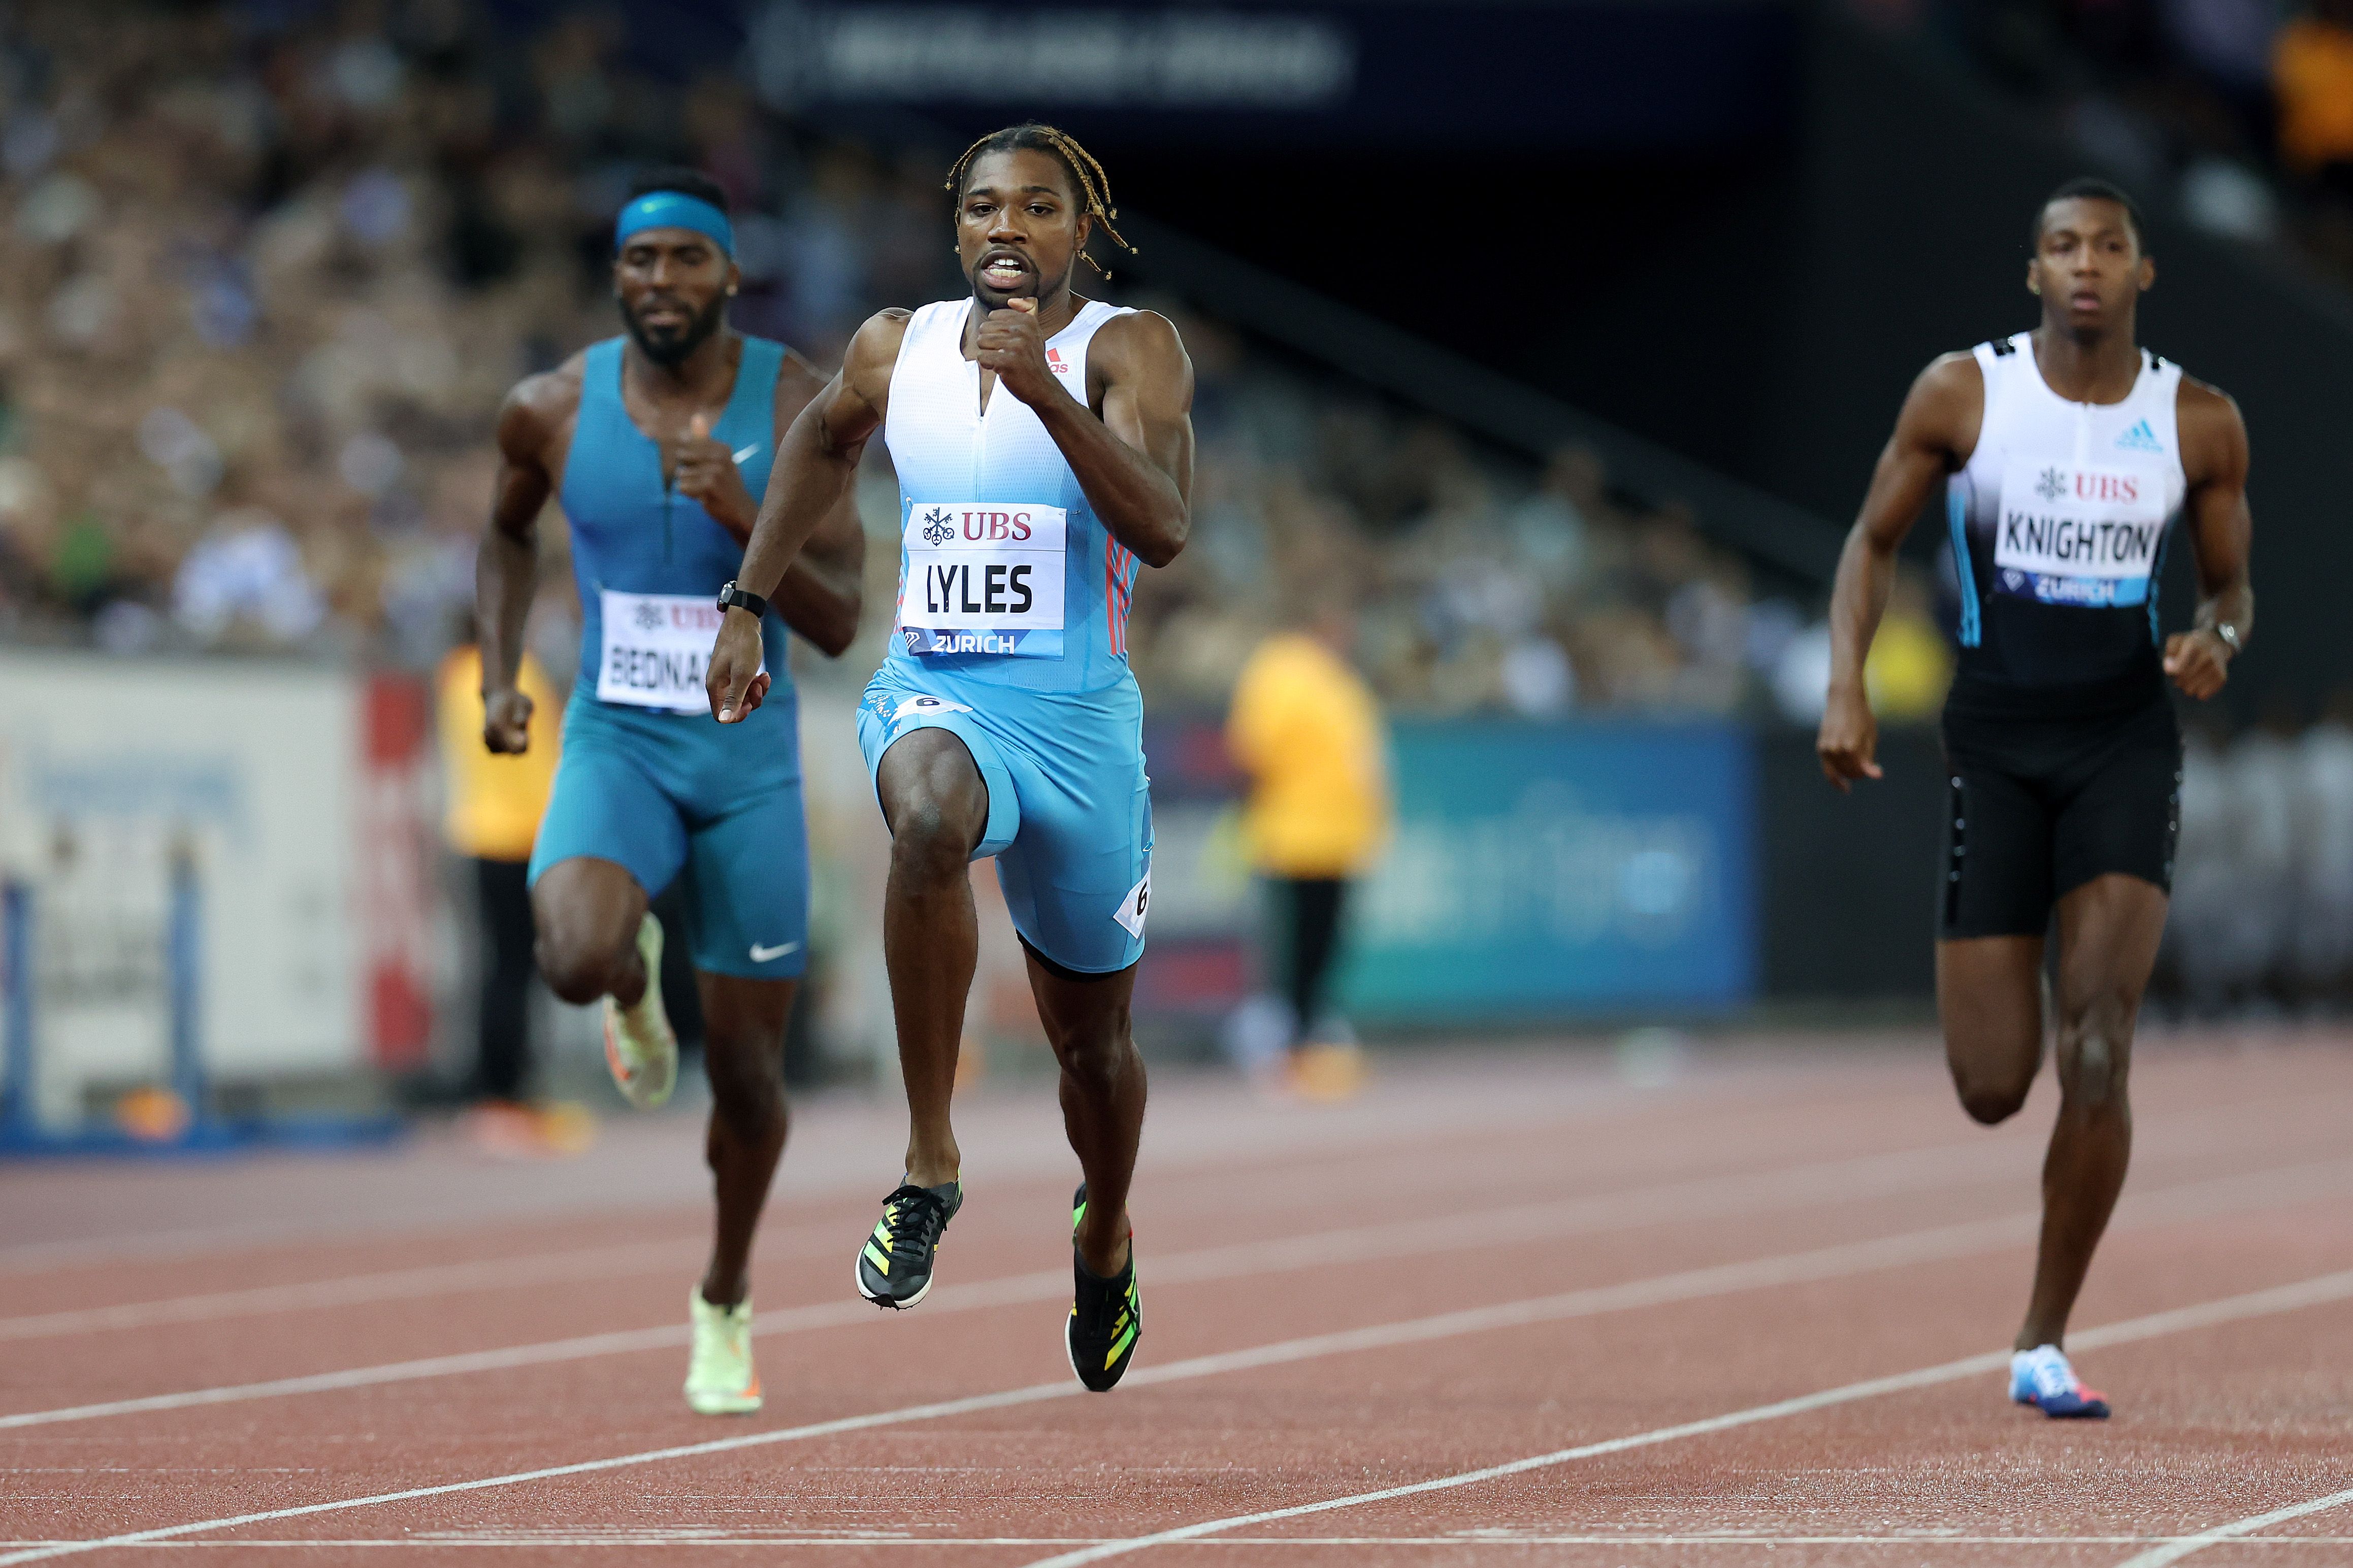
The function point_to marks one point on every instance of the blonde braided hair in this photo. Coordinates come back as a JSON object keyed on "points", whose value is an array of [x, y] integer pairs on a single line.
{"points": [[1086, 173]]}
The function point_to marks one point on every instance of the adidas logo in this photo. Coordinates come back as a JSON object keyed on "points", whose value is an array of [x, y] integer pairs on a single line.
{"points": [[2139, 438]]}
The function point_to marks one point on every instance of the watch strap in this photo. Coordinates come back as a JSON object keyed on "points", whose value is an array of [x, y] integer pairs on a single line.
{"points": [[735, 598]]}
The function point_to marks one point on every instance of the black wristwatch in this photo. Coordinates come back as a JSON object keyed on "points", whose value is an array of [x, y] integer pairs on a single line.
{"points": [[734, 598]]}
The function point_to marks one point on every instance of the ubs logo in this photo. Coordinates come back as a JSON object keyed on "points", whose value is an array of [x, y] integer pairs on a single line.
{"points": [[938, 528], [650, 617], [2051, 485]]}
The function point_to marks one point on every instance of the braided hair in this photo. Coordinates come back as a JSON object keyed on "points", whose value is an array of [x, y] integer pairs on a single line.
{"points": [[1087, 176]]}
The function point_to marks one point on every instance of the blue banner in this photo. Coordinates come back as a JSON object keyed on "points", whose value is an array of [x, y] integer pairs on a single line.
{"points": [[1546, 869]]}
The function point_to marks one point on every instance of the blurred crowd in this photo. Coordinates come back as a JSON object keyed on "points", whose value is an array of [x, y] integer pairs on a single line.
{"points": [[2262, 892], [273, 269], [2241, 109]]}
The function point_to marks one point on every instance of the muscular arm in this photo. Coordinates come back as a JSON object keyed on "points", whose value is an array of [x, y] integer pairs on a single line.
{"points": [[822, 591], [1933, 434], [816, 469], [1135, 460], [506, 566], [2214, 457]]}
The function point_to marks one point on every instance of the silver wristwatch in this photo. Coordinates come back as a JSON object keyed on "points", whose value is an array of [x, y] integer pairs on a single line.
{"points": [[2229, 634]]}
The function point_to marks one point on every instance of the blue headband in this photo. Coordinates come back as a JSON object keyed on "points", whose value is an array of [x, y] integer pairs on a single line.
{"points": [[673, 209]]}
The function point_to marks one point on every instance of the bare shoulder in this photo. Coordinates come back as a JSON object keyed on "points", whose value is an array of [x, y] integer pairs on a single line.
{"points": [[1954, 375], [2206, 404], [797, 380], [881, 332], [1142, 334], [2213, 433], [1945, 407], [537, 407], [1140, 346], [874, 352]]}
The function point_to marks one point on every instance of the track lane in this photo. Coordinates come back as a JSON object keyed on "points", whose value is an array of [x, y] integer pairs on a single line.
{"points": [[1389, 1337], [1951, 1301]]}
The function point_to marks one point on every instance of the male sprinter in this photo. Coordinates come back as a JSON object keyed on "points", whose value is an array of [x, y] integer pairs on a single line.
{"points": [[2066, 453], [1044, 445], [655, 444]]}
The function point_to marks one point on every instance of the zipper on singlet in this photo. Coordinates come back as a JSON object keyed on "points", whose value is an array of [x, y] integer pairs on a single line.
{"points": [[669, 497]]}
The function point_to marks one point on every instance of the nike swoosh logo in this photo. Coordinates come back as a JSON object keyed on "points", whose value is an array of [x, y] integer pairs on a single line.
{"points": [[762, 954], [739, 457]]}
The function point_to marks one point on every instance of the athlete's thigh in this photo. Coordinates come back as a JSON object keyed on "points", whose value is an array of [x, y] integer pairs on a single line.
{"points": [[2109, 929], [932, 759], [747, 887], [609, 840], [1078, 877], [2122, 810], [1989, 1003], [1997, 874], [1994, 907], [931, 774]]}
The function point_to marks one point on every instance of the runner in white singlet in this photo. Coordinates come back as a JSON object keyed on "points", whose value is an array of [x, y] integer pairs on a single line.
{"points": [[2068, 453], [1044, 447]]}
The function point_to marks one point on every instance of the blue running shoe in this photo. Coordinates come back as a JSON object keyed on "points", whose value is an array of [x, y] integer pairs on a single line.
{"points": [[2041, 1377]]}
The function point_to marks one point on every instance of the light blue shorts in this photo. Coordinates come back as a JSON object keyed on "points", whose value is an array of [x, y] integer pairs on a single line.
{"points": [[667, 795], [1070, 805]]}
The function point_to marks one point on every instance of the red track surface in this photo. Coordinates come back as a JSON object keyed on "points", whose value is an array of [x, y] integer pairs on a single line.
{"points": [[1484, 1261]]}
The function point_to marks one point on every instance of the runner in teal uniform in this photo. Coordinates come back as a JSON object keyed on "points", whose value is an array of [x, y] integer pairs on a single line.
{"points": [[1044, 447], [655, 444]]}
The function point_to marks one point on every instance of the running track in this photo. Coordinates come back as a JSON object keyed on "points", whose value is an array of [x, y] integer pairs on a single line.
{"points": [[1505, 1309]]}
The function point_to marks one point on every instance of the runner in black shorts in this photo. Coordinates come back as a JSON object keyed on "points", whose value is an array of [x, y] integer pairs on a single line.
{"points": [[2067, 453]]}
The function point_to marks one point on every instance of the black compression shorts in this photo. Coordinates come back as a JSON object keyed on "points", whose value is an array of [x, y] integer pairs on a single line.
{"points": [[2042, 806]]}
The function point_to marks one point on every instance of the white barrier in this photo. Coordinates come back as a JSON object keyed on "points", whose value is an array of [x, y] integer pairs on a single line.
{"points": [[107, 767]]}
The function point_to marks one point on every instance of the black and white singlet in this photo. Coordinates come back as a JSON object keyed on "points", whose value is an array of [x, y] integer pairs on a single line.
{"points": [[2059, 521]]}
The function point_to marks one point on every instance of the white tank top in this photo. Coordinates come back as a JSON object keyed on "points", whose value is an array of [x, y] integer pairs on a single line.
{"points": [[1006, 575], [2058, 523]]}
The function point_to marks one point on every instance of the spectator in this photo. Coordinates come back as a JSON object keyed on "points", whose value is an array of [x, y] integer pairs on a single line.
{"points": [[495, 803], [2312, 73], [1306, 730]]}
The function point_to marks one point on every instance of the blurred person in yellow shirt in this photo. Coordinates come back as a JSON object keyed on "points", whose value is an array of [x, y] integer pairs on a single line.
{"points": [[2312, 78], [1306, 730], [495, 803], [1911, 661]]}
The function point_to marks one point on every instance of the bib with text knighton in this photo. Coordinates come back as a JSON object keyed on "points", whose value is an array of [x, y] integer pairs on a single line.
{"points": [[982, 577], [2071, 534], [656, 651]]}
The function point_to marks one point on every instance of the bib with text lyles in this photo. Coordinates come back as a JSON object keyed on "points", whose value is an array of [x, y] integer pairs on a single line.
{"points": [[2078, 534], [982, 577], [656, 651]]}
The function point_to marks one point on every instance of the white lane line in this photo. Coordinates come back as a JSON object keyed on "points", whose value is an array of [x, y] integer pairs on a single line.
{"points": [[2327, 1289], [358, 1289], [1890, 1174], [1714, 1197], [2174, 1551], [1821, 1264], [1371, 1127], [1711, 1198], [689, 1537]]}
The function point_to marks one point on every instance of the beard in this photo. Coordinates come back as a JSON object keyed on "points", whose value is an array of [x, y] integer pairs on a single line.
{"points": [[670, 348]]}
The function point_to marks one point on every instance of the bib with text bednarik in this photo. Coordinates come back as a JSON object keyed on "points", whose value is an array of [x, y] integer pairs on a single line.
{"points": [[982, 577], [657, 649]]}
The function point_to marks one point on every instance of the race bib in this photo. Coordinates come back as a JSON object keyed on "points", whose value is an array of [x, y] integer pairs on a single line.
{"points": [[656, 651], [2070, 535], [982, 577]]}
